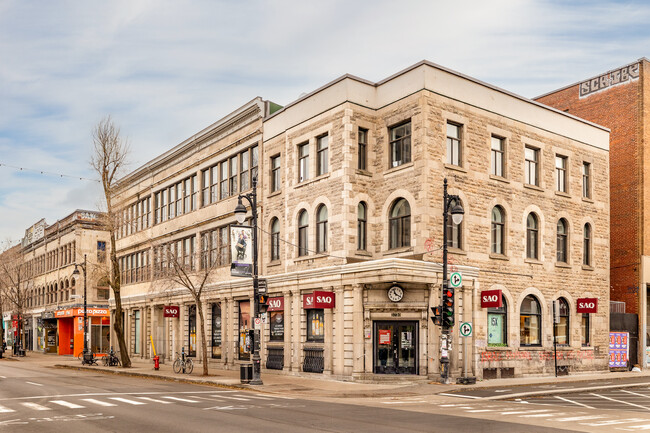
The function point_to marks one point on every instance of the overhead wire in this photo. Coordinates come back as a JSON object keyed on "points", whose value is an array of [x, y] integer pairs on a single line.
{"points": [[47, 173]]}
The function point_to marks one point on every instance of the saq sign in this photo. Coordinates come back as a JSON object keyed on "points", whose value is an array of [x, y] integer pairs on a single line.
{"points": [[491, 299], [170, 311], [587, 305], [319, 299]]}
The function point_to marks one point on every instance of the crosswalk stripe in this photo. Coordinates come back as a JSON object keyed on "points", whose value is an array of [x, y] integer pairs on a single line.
{"points": [[574, 402], [5, 409], [98, 402], [234, 398], [155, 400], [125, 400], [258, 397], [35, 406], [621, 401], [66, 404], [181, 399], [540, 415]]}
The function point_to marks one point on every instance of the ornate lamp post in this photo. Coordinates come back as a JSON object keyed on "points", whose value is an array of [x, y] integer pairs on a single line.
{"points": [[240, 214], [457, 213], [87, 357]]}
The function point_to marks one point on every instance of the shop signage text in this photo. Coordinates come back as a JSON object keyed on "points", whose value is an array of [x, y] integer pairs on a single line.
{"points": [[70, 312], [587, 305], [276, 304], [491, 299], [319, 299], [170, 311]]}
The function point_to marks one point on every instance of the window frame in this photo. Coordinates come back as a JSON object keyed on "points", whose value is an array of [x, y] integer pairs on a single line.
{"points": [[532, 314], [303, 233], [497, 156], [586, 180], [362, 226], [563, 328], [501, 312], [399, 226], [362, 149], [531, 165], [562, 241], [400, 144], [322, 155], [587, 241], [532, 237], [321, 229], [561, 171], [454, 231], [303, 162], [275, 239], [320, 324], [497, 229], [454, 144], [275, 173]]}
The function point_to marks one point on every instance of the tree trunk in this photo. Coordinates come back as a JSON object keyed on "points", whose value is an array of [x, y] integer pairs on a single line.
{"points": [[118, 324], [204, 344]]}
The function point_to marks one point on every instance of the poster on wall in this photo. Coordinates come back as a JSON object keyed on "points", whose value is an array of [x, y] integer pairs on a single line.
{"points": [[618, 349], [241, 250], [384, 336]]}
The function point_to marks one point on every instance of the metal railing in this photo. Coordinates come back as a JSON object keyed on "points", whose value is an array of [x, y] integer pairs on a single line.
{"points": [[275, 358], [314, 360]]}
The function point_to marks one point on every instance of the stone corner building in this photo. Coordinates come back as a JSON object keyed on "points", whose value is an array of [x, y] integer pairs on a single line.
{"points": [[350, 207]]}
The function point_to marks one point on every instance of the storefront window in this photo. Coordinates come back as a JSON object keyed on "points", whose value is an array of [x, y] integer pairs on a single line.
{"points": [[498, 325], [244, 326], [315, 325], [585, 329], [99, 334], [191, 327], [216, 331], [530, 321], [562, 328], [277, 325]]}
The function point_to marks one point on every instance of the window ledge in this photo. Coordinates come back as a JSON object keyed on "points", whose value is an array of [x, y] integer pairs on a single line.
{"points": [[499, 178], [499, 256], [587, 268], [498, 348], [398, 251], [588, 200], [537, 347], [310, 257], [273, 263], [364, 172], [392, 170], [533, 262], [455, 167], [274, 193], [363, 253], [562, 194], [535, 187], [310, 181], [456, 251], [563, 265]]}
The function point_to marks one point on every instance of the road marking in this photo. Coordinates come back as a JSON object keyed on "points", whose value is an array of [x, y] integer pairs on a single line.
{"points": [[574, 402], [612, 422], [66, 404], [226, 408], [635, 427], [126, 400], [502, 390], [517, 412], [181, 399], [578, 418], [481, 410], [461, 396], [635, 393], [35, 406], [621, 401], [258, 397], [5, 409], [540, 415], [3, 377], [155, 400], [34, 383], [98, 402], [234, 398]]}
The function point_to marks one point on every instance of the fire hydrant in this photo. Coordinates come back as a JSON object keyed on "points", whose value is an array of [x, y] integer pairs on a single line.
{"points": [[156, 362]]}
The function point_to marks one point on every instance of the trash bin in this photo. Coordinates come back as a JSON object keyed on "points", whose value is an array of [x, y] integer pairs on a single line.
{"points": [[246, 373]]}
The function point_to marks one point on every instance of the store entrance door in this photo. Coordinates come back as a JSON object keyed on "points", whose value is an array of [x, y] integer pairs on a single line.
{"points": [[395, 347]]}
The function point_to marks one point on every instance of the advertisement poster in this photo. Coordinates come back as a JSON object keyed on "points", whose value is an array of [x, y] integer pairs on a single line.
{"points": [[495, 328], [241, 250], [618, 349], [384, 336]]}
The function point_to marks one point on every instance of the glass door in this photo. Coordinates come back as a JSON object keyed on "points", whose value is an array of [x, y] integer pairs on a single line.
{"points": [[395, 347]]}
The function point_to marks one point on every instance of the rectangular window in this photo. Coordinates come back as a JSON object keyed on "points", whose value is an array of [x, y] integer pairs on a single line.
{"points": [[205, 187], [362, 158], [163, 205], [244, 160], [453, 144], [560, 172], [254, 162], [276, 326], [586, 180], [303, 155], [187, 195], [223, 179], [275, 173], [224, 249], [244, 326], [322, 154], [400, 144], [232, 181], [194, 192], [101, 251], [532, 166], [179, 198], [315, 325], [172, 201], [137, 333], [216, 331], [214, 248], [214, 184], [497, 153], [584, 328]]}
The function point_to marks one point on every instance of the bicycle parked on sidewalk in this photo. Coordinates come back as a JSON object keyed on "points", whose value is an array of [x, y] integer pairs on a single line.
{"points": [[183, 364], [90, 359], [111, 359]]}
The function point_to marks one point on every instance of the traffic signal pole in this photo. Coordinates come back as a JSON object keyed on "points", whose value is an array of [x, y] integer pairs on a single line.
{"points": [[445, 342]]}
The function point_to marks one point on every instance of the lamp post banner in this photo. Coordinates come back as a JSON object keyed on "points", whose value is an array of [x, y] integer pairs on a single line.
{"points": [[241, 251]]}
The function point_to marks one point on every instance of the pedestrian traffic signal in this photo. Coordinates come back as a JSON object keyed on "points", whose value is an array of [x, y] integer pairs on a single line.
{"points": [[263, 301], [437, 315], [448, 308]]}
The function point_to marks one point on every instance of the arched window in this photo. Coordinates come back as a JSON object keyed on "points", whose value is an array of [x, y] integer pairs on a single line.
{"points": [[532, 236], [303, 230], [321, 229], [275, 239], [498, 324], [562, 328], [562, 241], [362, 220], [454, 231], [498, 232], [586, 248], [530, 322], [400, 224]]}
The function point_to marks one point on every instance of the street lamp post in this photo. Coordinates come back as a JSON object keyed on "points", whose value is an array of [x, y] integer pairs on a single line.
{"points": [[87, 357], [240, 214], [457, 213]]}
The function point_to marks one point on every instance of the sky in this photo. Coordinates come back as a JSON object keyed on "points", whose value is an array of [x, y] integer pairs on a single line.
{"points": [[164, 70]]}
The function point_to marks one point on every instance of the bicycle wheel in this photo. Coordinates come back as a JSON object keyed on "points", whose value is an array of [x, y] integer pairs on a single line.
{"points": [[189, 366], [177, 366], [117, 362], [106, 360]]}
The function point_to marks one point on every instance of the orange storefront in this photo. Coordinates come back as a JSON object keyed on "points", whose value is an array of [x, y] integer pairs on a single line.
{"points": [[70, 326]]}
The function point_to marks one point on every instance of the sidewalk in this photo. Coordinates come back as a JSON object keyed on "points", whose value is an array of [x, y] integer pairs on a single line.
{"points": [[324, 386]]}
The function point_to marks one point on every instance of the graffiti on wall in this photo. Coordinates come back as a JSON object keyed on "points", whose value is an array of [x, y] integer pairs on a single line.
{"points": [[545, 355]]}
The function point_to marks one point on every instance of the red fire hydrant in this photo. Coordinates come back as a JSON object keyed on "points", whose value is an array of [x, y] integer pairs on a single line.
{"points": [[156, 362]]}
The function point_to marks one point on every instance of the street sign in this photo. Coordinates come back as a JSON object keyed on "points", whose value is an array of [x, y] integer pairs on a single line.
{"points": [[262, 286], [258, 323], [456, 279], [466, 329]]}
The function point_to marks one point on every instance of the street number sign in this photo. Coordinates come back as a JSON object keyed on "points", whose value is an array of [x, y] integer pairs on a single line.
{"points": [[466, 329], [456, 279]]}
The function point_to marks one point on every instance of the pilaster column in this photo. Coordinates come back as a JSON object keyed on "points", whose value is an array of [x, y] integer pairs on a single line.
{"points": [[339, 327], [357, 330], [296, 336]]}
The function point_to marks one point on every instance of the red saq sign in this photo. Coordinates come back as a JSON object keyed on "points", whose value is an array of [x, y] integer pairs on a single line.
{"points": [[319, 299], [170, 311], [276, 304], [587, 305], [491, 299]]}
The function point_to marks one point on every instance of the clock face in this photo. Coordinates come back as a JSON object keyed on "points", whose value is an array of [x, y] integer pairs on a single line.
{"points": [[395, 293]]}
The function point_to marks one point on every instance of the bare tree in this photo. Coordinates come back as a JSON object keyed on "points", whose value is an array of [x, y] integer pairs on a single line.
{"points": [[108, 160], [180, 267], [14, 279]]}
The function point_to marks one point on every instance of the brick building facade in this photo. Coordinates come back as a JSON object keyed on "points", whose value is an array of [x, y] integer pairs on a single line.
{"points": [[618, 99]]}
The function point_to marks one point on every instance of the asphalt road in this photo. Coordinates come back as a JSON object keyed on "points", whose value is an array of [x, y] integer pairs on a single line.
{"points": [[36, 399]]}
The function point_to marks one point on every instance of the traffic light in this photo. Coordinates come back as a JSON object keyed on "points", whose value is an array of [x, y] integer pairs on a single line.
{"points": [[263, 301], [448, 307], [437, 315]]}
